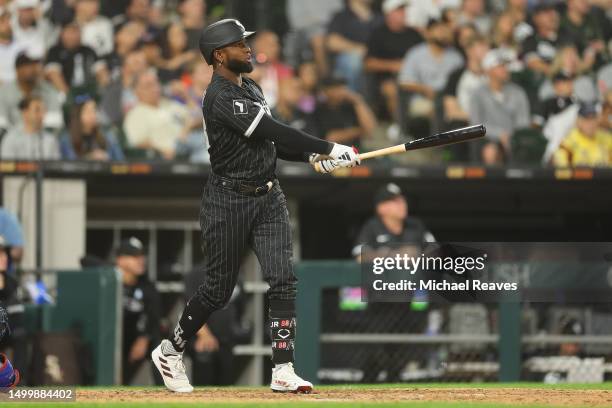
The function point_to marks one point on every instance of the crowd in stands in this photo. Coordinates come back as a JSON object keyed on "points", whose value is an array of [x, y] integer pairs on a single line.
{"points": [[116, 80]]}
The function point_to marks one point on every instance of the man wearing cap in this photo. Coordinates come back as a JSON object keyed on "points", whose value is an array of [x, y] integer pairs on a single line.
{"points": [[9, 48], [563, 85], [501, 105], [390, 229], [29, 83], [243, 205], [32, 29], [141, 307], [587, 144], [391, 224], [387, 45]]}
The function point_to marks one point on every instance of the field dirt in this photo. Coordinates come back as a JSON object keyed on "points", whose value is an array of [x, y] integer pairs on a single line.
{"points": [[509, 396]]}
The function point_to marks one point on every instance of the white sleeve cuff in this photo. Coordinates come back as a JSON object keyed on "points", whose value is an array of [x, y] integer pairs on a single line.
{"points": [[255, 122]]}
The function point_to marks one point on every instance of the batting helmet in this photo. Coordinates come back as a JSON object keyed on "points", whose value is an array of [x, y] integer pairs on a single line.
{"points": [[220, 34]]}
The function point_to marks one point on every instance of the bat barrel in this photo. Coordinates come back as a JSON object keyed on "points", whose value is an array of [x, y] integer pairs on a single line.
{"points": [[450, 137]]}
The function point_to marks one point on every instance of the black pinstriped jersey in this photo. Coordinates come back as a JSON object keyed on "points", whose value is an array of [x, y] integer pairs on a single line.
{"points": [[231, 114]]}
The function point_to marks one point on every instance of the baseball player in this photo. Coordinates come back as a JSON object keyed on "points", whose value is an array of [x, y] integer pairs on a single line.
{"points": [[244, 206]]}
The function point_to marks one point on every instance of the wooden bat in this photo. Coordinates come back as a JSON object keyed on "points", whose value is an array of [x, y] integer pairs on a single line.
{"points": [[439, 139]]}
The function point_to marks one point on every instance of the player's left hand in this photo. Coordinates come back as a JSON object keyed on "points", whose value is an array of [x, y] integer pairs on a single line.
{"points": [[322, 163]]}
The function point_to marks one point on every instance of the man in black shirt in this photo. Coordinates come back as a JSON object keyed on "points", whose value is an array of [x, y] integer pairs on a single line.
{"points": [[387, 46], [539, 49], [342, 116], [563, 85], [71, 64], [391, 224], [244, 206], [141, 307]]}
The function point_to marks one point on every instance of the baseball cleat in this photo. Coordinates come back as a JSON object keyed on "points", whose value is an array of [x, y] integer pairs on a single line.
{"points": [[171, 368], [284, 379]]}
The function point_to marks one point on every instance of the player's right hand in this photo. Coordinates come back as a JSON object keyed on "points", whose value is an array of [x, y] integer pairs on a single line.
{"points": [[347, 154]]}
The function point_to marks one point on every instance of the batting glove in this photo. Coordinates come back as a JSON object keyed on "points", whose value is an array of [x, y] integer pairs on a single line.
{"points": [[345, 153], [322, 165]]}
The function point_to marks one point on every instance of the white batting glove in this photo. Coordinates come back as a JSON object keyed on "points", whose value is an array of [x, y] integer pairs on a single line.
{"points": [[322, 164], [325, 166], [346, 154]]}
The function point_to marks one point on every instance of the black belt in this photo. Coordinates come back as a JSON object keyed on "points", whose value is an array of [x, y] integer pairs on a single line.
{"points": [[252, 188]]}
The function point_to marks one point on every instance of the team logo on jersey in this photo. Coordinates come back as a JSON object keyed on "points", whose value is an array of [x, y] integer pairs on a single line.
{"points": [[240, 107]]}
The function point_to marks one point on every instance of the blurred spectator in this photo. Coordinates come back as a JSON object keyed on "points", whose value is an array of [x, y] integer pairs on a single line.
{"points": [[426, 67], [72, 65], [113, 8], [62, 11], [9, 48], [343, 116], [588, 32], [501, 105], [307, 73], [388, 44], [539, 49], [269, 69], [84, 139], [11, 230], [96, 30], [28, 81], [188, 92], [586, 144], [473, 12], [126, 40], [306, 40], [420, 12], [31, 29], [348, 33], [517, 9], [150, 45], [568, 61], [464, 35], [503, 34], [138, 11], [463, 82], [175, 54], [29, 141], [193, 20], [287, 111], [563, 86], [119, 96], [158, 123], [604, 79], [141, 308], [606, 114], [391, 224]]}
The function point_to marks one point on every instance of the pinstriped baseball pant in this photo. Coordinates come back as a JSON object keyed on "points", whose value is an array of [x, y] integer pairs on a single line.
{"points": [[232, 222]]}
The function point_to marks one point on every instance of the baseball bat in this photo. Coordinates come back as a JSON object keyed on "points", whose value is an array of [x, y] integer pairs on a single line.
{"points": [[439, 139]]}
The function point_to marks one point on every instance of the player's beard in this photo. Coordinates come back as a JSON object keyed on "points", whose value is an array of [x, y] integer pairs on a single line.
{"points": [[240, 67]]}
